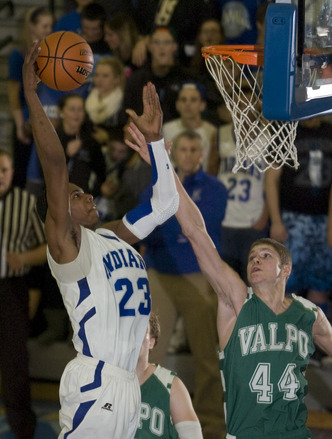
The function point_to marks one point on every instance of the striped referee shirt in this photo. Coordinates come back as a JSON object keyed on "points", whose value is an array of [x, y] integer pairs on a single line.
{"points": [[20, 228]]}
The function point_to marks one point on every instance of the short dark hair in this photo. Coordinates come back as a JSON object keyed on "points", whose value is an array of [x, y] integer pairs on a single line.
{"points": [[63, 100], [94, 11], [283, 252]]}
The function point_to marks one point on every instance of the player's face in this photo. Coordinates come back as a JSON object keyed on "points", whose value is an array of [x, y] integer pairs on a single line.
{"points": [[104, 79], [189, 103], [162, 48], [112, 38], [188, 155], [82, 208], [264, 265], [42, 28], [6, 174]]}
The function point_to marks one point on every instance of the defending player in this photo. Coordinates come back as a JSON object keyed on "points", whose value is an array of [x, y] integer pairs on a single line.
{"points": [[265, 338], [101, 278], [166, 408]]}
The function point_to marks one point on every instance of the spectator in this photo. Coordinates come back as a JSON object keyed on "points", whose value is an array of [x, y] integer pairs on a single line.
{"points": [[116, 7], [104, 101], [238, 19], [121, 35], [300, 207], [22, 245], [85, 161], [176, 15], [38, 24], [127, 176], [163, 70], [210, 34], [71, 20], [93, 17], [178, 286], [190, 104], [166, 407]]}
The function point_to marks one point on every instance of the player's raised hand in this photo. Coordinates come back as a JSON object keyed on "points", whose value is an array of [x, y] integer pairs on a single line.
{"points": [[138, 143], [150, 122], [30, 79]]}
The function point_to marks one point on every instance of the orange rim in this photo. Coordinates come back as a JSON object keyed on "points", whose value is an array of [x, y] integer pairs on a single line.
{"points": [[242, 54]]}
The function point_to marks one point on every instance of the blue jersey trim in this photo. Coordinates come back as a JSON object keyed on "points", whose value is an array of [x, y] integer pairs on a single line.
{"points": [[109, 237], [97, 378], [139, 212], [80, 414], [82, 333], [153, 166], [84, 290]]}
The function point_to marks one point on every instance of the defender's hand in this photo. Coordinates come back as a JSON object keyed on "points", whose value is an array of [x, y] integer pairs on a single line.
{"points": [[150, 122]]}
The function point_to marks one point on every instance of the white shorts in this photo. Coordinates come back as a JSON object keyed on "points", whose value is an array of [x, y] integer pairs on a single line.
{"points": [[98, 401]]}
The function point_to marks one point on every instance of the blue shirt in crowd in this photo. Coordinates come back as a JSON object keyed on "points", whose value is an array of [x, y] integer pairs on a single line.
{"points": [[167, 249]]}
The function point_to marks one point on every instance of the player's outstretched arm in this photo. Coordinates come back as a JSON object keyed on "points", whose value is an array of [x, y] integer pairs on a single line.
{"points": [[142, 220], [53, 162], [182, 411], [225, 281], [322, 332]]}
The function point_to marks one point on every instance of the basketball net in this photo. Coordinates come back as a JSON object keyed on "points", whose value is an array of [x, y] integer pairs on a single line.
{"points": [[238, 73]]}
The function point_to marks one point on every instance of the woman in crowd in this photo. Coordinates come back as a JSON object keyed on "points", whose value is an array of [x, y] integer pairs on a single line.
{"points": [[105, 99], [85, 161]]}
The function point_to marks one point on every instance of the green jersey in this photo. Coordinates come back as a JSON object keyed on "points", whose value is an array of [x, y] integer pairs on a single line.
{"points": [[262, 370], [155, 420]]}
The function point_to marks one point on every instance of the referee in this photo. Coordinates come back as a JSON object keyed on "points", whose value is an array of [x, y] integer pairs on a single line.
{"points": [[22, 245]]}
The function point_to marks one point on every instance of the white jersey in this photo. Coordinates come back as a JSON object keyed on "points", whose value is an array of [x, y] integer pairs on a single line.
{"points": [[106, 294], [207, 130], [245, 200]]}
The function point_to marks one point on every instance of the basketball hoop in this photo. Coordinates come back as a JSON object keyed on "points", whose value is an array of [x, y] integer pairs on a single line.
{"points": [[238, 73]]}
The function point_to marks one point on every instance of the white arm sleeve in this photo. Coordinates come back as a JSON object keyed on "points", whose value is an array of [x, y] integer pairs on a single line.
{"points": [[189, 430], [164, 203]]}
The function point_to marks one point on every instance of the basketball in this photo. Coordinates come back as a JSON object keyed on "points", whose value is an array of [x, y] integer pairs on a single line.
{"points": [[65, 61]]}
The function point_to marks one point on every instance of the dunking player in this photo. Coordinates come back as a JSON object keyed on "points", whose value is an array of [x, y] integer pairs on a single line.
{"points": [[101, 278], [265, 338]]}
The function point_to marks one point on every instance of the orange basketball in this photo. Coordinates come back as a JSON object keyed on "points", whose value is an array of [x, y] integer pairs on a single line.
{"points": [[65, 61]]}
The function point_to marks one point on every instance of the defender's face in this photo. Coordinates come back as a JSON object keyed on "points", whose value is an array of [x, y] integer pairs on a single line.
{"points": [[82, 208], [263, 265]]}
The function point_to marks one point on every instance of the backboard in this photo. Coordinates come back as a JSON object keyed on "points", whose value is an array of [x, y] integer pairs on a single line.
{"points": [[297, 59]]}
